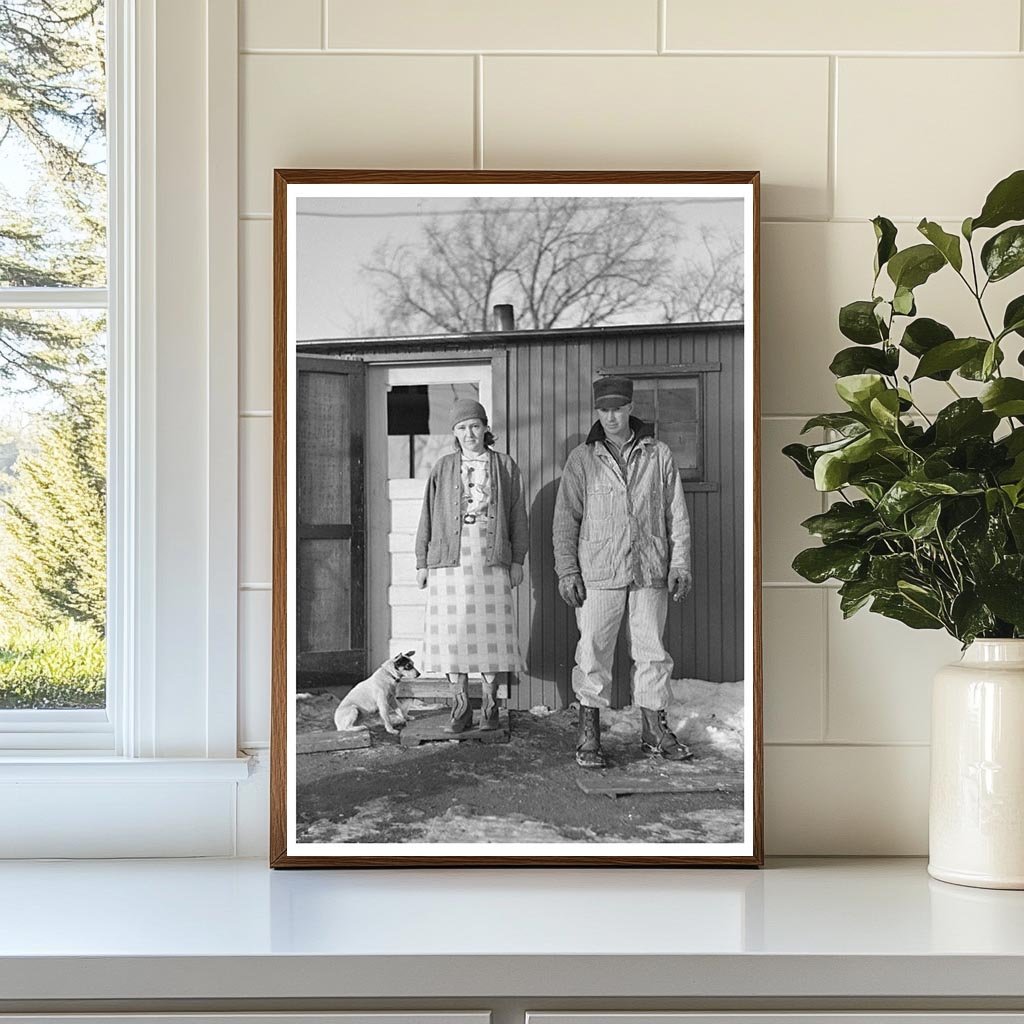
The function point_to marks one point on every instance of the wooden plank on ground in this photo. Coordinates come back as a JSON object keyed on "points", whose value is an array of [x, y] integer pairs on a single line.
{"points": [[621, 785], [431, 728], [331, 739]]}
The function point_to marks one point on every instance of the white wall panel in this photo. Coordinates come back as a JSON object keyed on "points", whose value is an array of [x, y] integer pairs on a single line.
{"points": [[471, 25], [255, 510], [875, 25], [861, 787], [685, 113], [338, 111], [962, 130], [260, 24], [256, 307]]}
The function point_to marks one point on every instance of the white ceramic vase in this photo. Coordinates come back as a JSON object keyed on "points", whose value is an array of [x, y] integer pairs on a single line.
{"points": [[976, 813]]}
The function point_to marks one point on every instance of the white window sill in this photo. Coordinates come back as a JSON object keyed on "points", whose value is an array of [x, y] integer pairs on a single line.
{"points": [[79, 767]]}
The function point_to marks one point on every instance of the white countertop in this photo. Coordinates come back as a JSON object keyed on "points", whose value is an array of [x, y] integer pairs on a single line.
{"points": [[235, 929]]}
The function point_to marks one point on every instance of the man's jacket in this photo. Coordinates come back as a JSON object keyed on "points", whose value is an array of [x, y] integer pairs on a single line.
{"points": [[439, 537], [620, 531]]}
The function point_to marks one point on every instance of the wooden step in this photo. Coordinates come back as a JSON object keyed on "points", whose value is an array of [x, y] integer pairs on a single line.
{"points": [[430, 728]]}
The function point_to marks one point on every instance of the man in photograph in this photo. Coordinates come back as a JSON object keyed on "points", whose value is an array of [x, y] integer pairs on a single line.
{"points": [[622, 541]]}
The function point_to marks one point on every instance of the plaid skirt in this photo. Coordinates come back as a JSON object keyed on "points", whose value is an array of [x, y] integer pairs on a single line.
{"points": [[470, 622]]}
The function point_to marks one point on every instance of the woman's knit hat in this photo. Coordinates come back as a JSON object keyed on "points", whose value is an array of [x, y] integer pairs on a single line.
{"points": [[468, 409]]}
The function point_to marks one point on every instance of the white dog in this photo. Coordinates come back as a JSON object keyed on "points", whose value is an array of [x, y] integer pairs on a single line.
{"points": [[377, 694]]}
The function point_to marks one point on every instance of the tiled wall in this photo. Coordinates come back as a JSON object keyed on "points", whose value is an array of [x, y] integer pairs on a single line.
{"points": [[906, 109]]}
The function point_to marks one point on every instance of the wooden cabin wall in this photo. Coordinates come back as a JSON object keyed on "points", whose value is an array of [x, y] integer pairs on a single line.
{"points": [[549, 413]]}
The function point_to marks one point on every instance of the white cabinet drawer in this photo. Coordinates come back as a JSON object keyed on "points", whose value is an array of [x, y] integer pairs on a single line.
{"points": [[790, 1017], [361, 1017]]}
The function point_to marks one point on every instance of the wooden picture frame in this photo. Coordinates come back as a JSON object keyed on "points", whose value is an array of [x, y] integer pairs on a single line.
{"points": [[359, 416]]}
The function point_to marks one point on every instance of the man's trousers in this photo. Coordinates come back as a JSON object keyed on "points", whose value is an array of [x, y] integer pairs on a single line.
{"points": [[599, 619]]}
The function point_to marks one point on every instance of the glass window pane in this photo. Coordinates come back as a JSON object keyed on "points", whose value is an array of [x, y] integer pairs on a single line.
{"points": [[418, 429], [53, 148], [52, 509]]}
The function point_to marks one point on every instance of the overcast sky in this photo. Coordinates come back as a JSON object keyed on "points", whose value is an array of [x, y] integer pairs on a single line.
{"points": [[335, 238]]}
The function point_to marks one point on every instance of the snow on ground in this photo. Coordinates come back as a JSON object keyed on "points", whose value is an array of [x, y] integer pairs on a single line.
{"points": [[700, 713]]}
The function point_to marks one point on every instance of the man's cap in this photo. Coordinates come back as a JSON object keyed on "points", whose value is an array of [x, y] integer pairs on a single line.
{"points": [[611, 392], [467, 409]]}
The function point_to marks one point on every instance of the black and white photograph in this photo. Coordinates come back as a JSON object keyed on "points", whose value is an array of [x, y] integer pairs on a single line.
{"points": [[516, 568]]}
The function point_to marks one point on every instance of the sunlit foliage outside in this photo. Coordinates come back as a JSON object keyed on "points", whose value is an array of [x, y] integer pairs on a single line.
{"points": [[52, 364]]}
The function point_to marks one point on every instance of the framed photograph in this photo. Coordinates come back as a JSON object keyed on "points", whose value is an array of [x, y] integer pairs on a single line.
{"points": [[516, 613]]}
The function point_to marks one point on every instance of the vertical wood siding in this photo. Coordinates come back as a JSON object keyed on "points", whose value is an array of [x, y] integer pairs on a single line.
{"points": [[549, 413]]}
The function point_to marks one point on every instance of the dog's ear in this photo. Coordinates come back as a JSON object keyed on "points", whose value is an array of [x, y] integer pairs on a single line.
{"points": [[408, 654]]}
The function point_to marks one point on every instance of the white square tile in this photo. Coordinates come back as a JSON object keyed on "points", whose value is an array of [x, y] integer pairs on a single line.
{"points": [[471, 25], [254, 629], [683, 113], [793, 630], [948, 103], [255, 319], [805, 25], [787, 499], [880, 677], [255, 511], [269, 24], [350, 111], [846, 801]]}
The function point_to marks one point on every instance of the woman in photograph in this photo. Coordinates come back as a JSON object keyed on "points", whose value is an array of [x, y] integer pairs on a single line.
{"points": [[470, 548]]}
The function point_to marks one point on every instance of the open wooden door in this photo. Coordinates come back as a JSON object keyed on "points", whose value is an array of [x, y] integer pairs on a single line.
{"points": [[331, 522]]}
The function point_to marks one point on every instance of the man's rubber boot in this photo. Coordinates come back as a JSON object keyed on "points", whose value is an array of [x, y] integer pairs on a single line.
{"points": [[588, 739], [462, 714], [489, 707], [657, 738]]}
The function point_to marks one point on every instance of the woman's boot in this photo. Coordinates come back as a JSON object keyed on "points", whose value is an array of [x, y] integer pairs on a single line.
{"points": [[489, 704], [462, 710]]}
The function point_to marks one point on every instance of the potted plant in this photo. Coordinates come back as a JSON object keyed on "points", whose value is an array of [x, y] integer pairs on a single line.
{"points": [[927, 521]]}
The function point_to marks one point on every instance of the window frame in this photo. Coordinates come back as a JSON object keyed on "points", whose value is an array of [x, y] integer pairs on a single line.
{"points": [[149, 118], [679, 371]]}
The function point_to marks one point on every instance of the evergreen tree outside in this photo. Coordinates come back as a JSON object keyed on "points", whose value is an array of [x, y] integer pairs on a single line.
{"points": [[52, 364]]}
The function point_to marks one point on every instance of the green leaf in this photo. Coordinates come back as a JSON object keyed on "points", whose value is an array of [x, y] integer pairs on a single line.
{"points": [[857, 321], [949, 355], [843, 521], [850, 361], [923, 335], [903, 302], [965, 229], [1004, 397], [1003, 254], [831, 471], [906, 494], [900, 609], [854, 594], [913, 266], [799, 455], [970, 617], [1005, 202], [841, 421], [974, 368], [925, 518], [1005, 597], [840, 561], [1013, 317], [885, 236], [858, 389], [991, 360], [885, 409], [887, 570], [966, 417], [947, 244]]}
